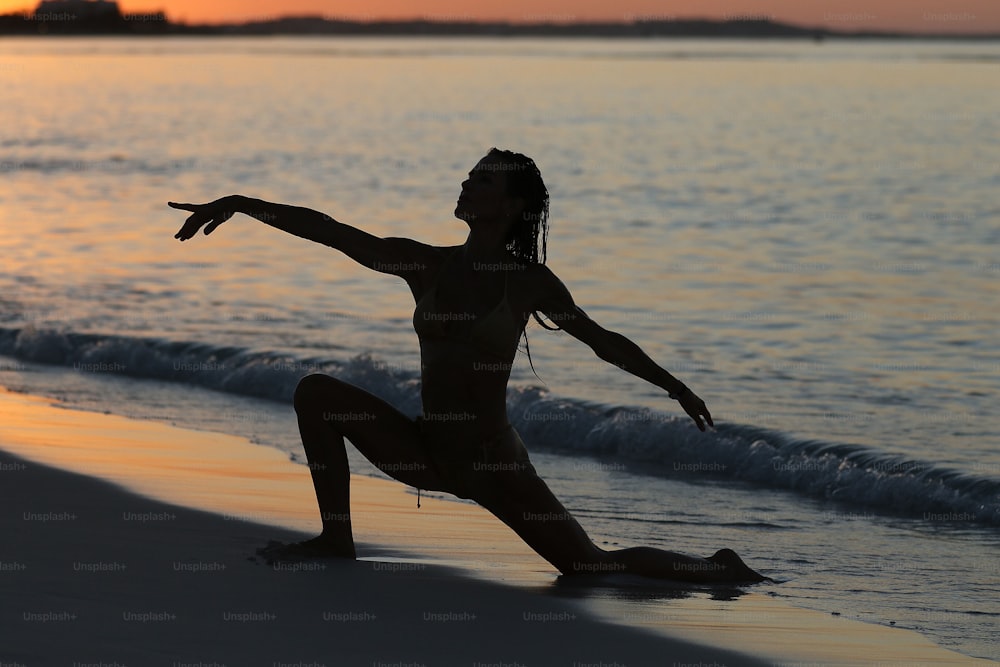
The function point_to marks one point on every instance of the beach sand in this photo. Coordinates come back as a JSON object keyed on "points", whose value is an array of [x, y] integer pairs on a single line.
{"points": [[129, 542]]}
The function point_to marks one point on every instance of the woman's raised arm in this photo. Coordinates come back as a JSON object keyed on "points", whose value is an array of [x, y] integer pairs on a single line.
{"points": [[397, 256], [556, 302]]}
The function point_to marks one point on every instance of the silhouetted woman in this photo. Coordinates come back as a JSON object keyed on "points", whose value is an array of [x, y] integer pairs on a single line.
{"points": [[472, 304]]}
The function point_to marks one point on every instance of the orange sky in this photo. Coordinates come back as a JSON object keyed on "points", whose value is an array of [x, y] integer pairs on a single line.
{"points": [[914, 15]]}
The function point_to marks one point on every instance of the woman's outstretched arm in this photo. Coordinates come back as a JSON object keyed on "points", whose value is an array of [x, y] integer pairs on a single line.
{"points": [[397, 256], [555, 301]]}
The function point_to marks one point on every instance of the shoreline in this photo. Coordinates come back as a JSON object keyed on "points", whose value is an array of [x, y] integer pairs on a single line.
{"points": [[187, 579]]}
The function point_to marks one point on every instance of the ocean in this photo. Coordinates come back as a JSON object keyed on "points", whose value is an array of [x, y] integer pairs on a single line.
{"points": [[805, 233]]}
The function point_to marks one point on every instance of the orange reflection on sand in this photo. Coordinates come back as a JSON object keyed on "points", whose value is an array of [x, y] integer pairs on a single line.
{"points": [[205, 470], [233, 477]]}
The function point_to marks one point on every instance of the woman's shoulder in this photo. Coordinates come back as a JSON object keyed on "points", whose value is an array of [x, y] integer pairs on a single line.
{"points": [[430, 257], [538, 274], [539, 284]]}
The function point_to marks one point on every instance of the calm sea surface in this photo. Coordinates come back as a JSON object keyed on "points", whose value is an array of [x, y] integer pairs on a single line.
{"points": [[805, 233]]}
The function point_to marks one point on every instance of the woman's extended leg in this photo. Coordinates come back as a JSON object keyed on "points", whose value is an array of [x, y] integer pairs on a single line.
{"points": [[537, 516], [328, 411], [524, 502]]}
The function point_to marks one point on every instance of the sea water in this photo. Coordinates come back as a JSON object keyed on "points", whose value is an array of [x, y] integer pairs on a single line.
{"points": [[805, 233]]}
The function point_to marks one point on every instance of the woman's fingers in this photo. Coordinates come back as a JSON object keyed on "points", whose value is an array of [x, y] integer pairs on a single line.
{"points": [[200, 214], [190, 228], [695, 407], [702, 411]]}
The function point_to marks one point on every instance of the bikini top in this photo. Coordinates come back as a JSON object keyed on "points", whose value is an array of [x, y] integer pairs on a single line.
{"points": [[495, 333]]}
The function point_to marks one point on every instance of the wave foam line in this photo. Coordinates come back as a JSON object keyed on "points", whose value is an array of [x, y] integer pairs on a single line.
{"points": [[882, 482]]}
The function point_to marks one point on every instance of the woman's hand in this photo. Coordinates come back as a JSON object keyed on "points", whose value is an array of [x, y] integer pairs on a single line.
{"points": [[695, 407], [213, 214]]}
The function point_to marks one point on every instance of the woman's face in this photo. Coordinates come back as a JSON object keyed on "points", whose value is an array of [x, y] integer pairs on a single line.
{"points": [[484, 197]]}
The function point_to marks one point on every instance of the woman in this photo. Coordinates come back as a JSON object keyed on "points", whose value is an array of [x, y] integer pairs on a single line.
{"points": [[473, 302]]}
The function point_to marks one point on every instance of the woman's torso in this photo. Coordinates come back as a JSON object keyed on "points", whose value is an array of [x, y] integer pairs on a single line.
{"points": [[469, 317]]}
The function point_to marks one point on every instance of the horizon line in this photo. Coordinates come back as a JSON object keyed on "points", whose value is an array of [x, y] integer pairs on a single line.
{"points": [[556, 21]]}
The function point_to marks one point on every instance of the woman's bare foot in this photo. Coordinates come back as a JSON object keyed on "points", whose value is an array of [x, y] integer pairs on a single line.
{"points": [[734, 569], [317, 547], [325, 545]]}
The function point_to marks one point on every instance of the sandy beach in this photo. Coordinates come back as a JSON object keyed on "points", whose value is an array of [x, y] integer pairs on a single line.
{"points": [[134, 543]]}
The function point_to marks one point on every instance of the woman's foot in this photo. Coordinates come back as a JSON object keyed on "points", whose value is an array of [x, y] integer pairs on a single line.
{"points": [[317, 547], [324, 545], [734, 569]]}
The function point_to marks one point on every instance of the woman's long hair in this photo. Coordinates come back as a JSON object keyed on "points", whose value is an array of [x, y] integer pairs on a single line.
{"points": [[528, 237]]}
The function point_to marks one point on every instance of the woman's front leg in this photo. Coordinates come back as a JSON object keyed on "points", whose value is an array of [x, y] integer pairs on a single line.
{"points": [[331, 477], [328, 411]]}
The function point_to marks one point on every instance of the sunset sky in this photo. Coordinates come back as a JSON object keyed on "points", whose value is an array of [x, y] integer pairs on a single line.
{"points": [[964, 16]]}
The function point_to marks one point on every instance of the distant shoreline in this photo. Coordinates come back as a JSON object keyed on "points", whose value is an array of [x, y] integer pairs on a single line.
{"points": [[156, 24]]}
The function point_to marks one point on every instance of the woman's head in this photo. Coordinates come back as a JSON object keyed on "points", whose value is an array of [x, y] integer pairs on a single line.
{"points": [[507, 188]]}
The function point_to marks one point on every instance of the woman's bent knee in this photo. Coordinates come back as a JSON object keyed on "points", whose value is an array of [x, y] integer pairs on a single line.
{"points": [[309, 389]]}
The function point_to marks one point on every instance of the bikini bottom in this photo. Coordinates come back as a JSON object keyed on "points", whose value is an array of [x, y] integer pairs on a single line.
{"points": [[477, 470]]}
